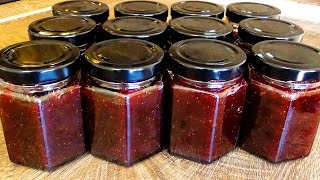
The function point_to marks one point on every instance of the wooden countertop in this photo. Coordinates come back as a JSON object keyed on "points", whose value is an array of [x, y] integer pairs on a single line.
{"points": [[236, 165]]}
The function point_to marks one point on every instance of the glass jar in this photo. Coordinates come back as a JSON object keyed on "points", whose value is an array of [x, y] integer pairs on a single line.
{"points": [[208, 94], [142, 8], [79, 31], [199, 27], [254, 30], [196, 8], [138, 27], [283, 101], [239, 11], [40, 103], [123, 99], [95, 10]]}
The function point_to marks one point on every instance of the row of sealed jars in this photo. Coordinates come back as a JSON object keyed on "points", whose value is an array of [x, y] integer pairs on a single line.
{"points": [[118, 109], [141, 26], [81, 31], [99, 11]]}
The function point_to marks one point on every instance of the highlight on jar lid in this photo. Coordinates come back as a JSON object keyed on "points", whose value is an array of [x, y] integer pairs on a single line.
{"points": [[199, 26], [207, 59], [255, 30], [142, 8], [196, 8], [286, 60], [76, 30], [134, 27], [95, 10], [239, 11], [38, 62], [123, 60]]}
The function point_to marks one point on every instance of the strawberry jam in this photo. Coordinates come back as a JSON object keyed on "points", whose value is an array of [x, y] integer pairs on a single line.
{"points": [[283, 101], [208, 94], [123, 99], [41, 112]]}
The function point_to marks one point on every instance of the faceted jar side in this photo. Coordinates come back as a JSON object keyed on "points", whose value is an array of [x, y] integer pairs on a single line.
{"points": [[45, 131], [280, 124], [124, 126], [205, 122]]}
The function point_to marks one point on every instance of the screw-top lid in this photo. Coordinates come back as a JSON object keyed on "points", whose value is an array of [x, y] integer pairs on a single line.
{"points": [[134, 26], [123, 60], [76, 30], [198, 26], [38, 62], [139, 27], [287, 61], [196, 8], [142, 8], [95, 10], [255, 30], [207, 60], [239, 11]]}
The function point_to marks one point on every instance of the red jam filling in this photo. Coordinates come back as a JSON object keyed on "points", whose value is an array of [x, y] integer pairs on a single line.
{"points": [[280, 123], [205, 122], [124, 126], [43, 131]]}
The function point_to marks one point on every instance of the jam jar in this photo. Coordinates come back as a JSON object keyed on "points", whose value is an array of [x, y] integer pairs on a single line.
{"points": [[40, 103], [79, 31], [95, 10], [196, 8], [138, 27], [254, 30], [282, 109], [123, 99], [199, 27], [208, 94], [239, 11], [142, 8]]}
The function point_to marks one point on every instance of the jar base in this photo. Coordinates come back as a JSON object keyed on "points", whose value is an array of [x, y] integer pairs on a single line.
{"points": [[128, 164]]}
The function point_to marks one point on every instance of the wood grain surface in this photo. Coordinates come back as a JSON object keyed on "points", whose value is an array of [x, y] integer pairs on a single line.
{"points": [[235, 165]]}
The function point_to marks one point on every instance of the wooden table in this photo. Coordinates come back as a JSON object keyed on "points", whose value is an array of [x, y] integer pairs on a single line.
{"points": [[236, 165]]}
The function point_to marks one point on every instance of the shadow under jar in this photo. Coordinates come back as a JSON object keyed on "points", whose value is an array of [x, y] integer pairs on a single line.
{"points": [[188, 27], [137, 27], [142, 8], [208, 94], [79, 31], [95, 10], [282, 110], [254, 30], [196, 8], [40, 103], [123, 99], [239, 11]]}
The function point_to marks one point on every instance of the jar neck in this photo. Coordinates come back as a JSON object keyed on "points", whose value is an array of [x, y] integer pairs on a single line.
{"points": [[246, 47], [208, 84], [290, 85], [234, 25], [38, 88], [121, 86]]}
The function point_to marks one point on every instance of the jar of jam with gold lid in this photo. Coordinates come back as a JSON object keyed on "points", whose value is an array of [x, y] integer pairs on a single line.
{"points": [[142, 8], [254, 30], [199, 27], [138, 27], [40, 103], [208, 94], [95, 10], [196, 8], [123, 99], [239, 11], [283, 101], [79, 31]]}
